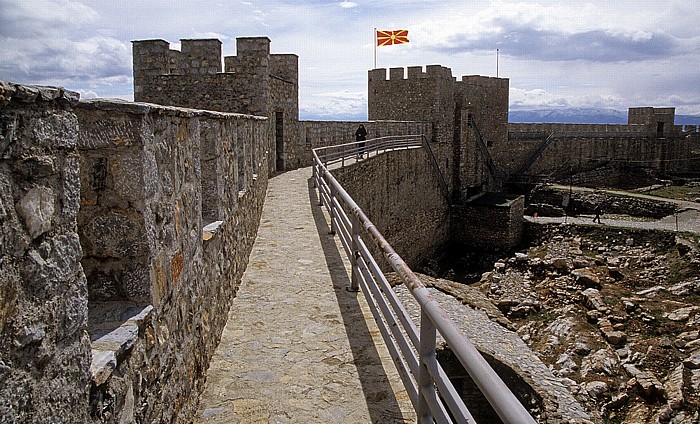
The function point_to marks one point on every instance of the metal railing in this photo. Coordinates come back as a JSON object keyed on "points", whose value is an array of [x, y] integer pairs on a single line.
{"points": [[430, 390], [347, 153]]}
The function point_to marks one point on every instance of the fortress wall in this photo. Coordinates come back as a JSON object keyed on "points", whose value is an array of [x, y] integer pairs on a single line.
{"points": [[585, 153], [313, 134], [486, 100], [491, 222], [255, 82], [284, 127], [482, 103], [400, 193], [518, 131], [44, 346], [151, 203], [117, 189], [581, 147], [417, 95]]}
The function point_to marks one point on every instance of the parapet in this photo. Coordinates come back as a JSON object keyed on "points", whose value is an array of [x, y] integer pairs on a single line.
{"points": [[196, 57], [414, 72], [252, 44], [651, 115], [251, 53], [485, 81], [200, 56], [285, 66]]}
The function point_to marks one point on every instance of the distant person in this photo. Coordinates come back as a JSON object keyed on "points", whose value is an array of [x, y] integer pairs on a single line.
{"points": [[598, 211], [361, 135]]}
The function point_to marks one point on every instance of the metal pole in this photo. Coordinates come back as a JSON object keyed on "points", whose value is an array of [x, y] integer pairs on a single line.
{"points": [[375, 48], [426, 388], [354, 248], [331, 208]]}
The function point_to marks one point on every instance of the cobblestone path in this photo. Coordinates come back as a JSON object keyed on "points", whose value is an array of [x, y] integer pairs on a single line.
{"points": [[298, 347]]}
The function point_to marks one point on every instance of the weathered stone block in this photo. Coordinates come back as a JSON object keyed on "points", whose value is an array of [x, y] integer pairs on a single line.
{"points": [[37, 210]]}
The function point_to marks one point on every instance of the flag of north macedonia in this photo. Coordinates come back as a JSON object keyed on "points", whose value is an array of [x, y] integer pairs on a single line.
{"points": [[389, 38]]}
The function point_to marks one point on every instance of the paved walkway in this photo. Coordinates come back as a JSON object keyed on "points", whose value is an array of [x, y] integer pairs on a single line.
{"points": [[298, 347], [687, 219]]}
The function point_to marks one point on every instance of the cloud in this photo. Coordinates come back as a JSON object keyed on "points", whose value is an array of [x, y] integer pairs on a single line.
{"points": [[539, 98], [348, 4], [524, 42], [340, 105], [44, 60], [41, 18]]}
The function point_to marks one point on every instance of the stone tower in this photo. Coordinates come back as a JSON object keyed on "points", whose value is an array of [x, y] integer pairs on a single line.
{"points": [[253, 82]]}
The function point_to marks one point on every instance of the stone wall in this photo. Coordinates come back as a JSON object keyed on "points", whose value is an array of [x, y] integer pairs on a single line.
{"points": [[482, 122], [314, 134], [44, 346], [490, 222], [415, 95], [149, 205], [400, 193], [160, 206], [586, 152], [253, 82]]}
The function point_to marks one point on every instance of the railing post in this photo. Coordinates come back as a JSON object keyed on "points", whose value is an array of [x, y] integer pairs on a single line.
{"points": [[354, 248], [426, 388], [331, 208], [314, 175]]}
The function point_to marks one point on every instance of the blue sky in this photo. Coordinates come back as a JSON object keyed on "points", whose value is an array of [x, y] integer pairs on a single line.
{"points": [[614, 54]]}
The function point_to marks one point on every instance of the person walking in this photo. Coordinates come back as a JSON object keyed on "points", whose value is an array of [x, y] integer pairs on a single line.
{"points": [[598, 211], [361, 135]]}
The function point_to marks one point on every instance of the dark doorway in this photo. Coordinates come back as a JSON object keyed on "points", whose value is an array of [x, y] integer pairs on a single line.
{"points": [[279, 140], [659, 129]]}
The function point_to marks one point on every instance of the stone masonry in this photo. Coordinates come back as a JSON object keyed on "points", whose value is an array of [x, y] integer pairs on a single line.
{"points": [[116, 279], [44, 346]]}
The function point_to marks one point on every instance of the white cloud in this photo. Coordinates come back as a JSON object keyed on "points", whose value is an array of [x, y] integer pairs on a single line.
{"points": [[341, 105], [620, 54], [540, 99]]}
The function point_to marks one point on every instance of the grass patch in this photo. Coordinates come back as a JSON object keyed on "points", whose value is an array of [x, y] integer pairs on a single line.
{"points": [[676, 192]]}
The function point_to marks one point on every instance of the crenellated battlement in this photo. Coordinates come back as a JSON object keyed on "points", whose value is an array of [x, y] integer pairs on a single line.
{"points": [[413, 72], [485, 81]]}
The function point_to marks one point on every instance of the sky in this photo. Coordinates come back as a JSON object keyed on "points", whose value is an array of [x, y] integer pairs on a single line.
{"points": [[556, 54]]}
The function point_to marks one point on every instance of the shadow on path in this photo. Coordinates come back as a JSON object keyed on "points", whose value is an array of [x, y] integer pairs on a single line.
{"points": [[380, 397]]}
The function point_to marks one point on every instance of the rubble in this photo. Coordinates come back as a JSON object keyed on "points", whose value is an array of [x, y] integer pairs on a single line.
{"points": [[615, 315]]}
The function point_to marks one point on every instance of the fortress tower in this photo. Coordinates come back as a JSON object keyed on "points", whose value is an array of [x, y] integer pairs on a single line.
{"points": [[253, 82], [467, 117]]}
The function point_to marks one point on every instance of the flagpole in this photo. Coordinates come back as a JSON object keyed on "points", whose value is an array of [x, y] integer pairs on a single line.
{"points": [[375, 48], [496, 63]]}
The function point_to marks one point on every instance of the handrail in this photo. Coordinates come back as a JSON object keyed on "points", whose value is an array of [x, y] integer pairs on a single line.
{"points": [[494, 170], [436, 166], [430, 390], [538, 153]]}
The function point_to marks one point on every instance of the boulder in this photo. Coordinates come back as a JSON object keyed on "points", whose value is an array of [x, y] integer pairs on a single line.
{"points": [[593, 300], [586, 277], [648, 385], [596, 389]]}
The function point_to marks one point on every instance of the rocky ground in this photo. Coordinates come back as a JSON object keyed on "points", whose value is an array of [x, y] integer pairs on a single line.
{"points": [[615, 313]]}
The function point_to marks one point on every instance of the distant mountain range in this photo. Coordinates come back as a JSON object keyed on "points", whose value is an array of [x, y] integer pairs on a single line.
{"points": [[584, 116]]}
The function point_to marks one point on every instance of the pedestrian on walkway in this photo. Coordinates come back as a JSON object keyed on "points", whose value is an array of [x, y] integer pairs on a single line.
{"points": [[361, 135], [598, 211]]}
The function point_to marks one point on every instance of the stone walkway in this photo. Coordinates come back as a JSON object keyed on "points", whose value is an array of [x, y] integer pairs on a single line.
{"points": [[298, 347], [687, 219]]}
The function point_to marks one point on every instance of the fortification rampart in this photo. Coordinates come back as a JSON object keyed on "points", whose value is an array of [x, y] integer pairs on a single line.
{"points": [[113, 296], [44, 347], [579, 147], [400, 192], [253, 82], [314, 134], [421, 96]]}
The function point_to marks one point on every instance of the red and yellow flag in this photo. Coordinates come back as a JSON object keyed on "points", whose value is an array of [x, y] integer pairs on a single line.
{"points": [[389, 38]]}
